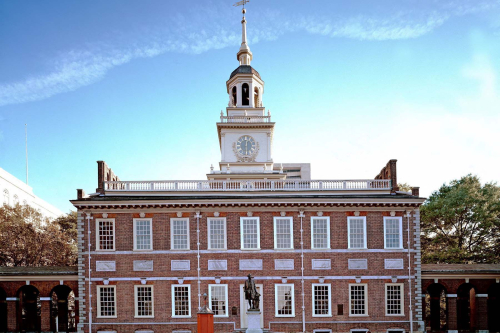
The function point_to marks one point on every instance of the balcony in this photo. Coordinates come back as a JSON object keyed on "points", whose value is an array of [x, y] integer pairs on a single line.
{"points": [[247, 185], [245, 119]]}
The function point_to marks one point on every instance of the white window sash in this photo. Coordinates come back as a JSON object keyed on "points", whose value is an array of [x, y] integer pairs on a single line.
{"points": [[327, 218], [290, 221], [329, 300], [136, 297], [349, 232], [98, 240], [402, 300], [242, 219], [365, 299], [225, 298], [175, 286], [172, 233], [209, 224], [150, 234], [400, 231], [99, 301], [276, 299]]}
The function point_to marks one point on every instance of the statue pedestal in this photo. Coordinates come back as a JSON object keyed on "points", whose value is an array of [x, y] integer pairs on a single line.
{"points": [[253, 321]]}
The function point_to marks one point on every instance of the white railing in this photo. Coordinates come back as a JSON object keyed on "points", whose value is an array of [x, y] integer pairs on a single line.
{"points": [[245, 119], [247, 185]]}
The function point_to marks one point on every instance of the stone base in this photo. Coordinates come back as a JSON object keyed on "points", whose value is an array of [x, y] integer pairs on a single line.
{"points": [[253, 317]]}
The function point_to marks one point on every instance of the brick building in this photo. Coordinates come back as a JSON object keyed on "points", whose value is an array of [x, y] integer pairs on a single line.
{"points": [[327, 255]]}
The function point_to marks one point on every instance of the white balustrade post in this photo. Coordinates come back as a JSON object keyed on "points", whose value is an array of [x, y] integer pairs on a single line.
{"points": [[344, 184], [127, 186], [320, 185], [272, 185], [176, 186]]}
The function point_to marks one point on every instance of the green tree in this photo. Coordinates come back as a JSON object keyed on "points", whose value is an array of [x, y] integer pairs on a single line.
{"points": [[404, 187], [67, 223], [460, 223], [28, 239]]}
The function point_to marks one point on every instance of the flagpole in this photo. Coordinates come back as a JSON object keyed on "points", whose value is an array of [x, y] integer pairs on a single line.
{"points": [[26, 141]]}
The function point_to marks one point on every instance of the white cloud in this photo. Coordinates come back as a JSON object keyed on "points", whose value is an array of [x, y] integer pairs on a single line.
{"points": [[76, 68]]}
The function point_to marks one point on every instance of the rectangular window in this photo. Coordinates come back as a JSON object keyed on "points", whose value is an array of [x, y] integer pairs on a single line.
{"points": [[283, 233], [250, 233], [394, 299], [217, 294], [105, 234], [321, 300], [320, 232], [358, 304], [284, 300], [106, 301], [144, 301], [393, 235], [143, 234], [356, 232], [216, 233], [179, 231], [181, 300]]}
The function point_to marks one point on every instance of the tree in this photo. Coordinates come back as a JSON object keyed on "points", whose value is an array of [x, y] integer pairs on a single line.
{"points": [[67, 223], [28, 239], [404, 187], [460, 223]]}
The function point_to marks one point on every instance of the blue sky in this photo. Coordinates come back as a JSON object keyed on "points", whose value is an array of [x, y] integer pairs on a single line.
{"points": [[350, 84]]}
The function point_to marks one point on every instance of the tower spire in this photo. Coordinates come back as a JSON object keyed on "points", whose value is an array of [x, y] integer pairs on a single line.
{"points": [[244, 55]]}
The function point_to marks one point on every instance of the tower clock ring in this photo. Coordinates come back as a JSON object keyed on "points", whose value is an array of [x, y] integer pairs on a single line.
{"points": [[246, 149]]}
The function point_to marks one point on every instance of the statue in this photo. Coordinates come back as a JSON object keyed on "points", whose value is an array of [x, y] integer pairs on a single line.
{"points": [[251, 294]]}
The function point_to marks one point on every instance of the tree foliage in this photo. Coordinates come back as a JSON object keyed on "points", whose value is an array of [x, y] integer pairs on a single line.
{"points": [[460, 223], [404, 187], [28, 239]]}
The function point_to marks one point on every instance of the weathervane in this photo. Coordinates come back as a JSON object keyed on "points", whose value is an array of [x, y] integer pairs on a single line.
{"points": [[241, 3]]}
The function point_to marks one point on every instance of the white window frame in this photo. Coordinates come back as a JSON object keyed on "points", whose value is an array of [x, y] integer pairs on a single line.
{"points": [[150, 236], [402, 305], [258, 232], [276, 300], [329, 299], [172, 233], [395, 330], [209, 220], [359, 330], [173, 300], [400, 232], [318, 330], [98, 242], [349, 218], [99, 301], [366, 301], [136, 303], [225, 300], [327, 218], [290, 219]]}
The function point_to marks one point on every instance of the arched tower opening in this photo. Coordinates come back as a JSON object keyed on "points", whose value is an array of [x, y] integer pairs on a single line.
{"points": [[256, 98], [245, 94], [466, 307], [494, 308], [3, 311], [235, 96]]}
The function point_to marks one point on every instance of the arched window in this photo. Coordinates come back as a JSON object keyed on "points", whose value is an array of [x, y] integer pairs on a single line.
{"points": [[6, 199], [235, 96], [25, 202], [256, 100], [245, 94], [494, 307], [16, 200]]}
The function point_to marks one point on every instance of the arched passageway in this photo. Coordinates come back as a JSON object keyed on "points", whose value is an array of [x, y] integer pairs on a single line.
{"points": [[494, 308], [3, 311], [436, 309], [62, 309], [28, 309], [466, 307], [256, 98], [245, 94]]}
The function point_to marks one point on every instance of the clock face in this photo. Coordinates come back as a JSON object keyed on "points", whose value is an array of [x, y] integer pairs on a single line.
{"points": [[245, 145]]}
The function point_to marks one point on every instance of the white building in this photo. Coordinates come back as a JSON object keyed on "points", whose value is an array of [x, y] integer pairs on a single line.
{"points": [[14, 191]]}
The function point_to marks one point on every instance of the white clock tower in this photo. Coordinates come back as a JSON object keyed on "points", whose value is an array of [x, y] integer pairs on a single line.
{"points": [[245, 131]]}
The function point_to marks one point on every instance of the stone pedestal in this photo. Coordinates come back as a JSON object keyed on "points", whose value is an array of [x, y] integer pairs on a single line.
{"points": [[253, 321]]}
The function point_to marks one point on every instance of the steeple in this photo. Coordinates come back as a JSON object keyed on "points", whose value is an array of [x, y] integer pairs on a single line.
{"points": [[244, 55]]}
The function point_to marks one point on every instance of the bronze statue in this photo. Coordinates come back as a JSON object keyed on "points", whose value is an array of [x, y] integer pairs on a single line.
{"points": [[251, 294]]}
